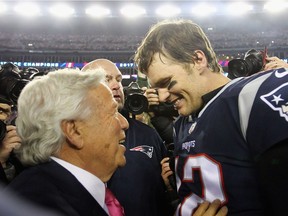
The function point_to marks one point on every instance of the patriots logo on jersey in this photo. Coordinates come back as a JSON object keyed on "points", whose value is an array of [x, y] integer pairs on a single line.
{"points": [[277, 100], [188, 145], [148, 150]]}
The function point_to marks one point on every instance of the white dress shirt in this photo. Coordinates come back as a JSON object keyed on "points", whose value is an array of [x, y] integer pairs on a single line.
{"points": [[92, 183]]}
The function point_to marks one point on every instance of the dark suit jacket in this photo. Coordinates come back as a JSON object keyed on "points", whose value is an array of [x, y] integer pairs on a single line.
{"points": [[52, 186], [17, 166]]}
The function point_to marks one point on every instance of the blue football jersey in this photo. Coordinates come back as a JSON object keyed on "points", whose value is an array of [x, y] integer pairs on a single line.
{"points": [[215, 152], [138, 185]]}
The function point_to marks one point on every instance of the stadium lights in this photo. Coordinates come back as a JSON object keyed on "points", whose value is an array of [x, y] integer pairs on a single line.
{"points": [[62, 10], [3, 8], [168, 11], [97, 11], [132, 11], [203, 9], [275, 6], [27, 9], [239, 8], [147, 9]]}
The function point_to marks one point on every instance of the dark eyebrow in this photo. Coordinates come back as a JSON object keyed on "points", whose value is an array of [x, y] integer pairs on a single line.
{"points": [[162, 83], [171, 84]]}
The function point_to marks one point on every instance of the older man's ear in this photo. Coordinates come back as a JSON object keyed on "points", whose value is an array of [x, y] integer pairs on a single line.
{"points": [[73, 133]]}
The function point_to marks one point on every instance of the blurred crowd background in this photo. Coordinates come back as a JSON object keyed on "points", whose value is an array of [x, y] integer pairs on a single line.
{"points": [[80, 39]]}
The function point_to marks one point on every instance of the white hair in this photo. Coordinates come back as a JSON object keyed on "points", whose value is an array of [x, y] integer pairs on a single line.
{"points": [[44, 103]]}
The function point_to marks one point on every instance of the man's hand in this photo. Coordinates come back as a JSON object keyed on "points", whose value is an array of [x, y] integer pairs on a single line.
{"points": [[274, 62], [152, 96], [166, 172], [211, 209], [11, 141]]}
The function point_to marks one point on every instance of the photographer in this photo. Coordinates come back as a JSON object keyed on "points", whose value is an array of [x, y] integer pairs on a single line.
{"points": [[253, 62], [146, 102], [161, 115], [9, 140], [11, 85]]}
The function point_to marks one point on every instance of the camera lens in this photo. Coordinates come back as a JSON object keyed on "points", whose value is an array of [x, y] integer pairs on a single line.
{"points": [[11, 83], [237, 68], [251, 64], [136, 103], [255, 63]]}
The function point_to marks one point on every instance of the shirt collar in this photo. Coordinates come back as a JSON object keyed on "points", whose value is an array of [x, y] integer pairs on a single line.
{"points": [[207, 97], [92, 183]]}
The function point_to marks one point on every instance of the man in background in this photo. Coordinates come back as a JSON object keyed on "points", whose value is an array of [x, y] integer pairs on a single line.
{"points": [[10, 166], [11, 85]]}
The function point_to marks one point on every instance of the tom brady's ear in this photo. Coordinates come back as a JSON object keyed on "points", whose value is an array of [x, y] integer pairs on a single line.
{"points": [[200, 60], [199, 56]]}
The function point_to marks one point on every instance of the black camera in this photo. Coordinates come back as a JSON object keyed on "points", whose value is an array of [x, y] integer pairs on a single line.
{"points": [[164, 109], [11, 83], [135, 100], [253, 62], [170, 153], [3, 130]]}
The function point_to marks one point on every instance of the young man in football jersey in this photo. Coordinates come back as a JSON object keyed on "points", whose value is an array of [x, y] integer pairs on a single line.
{"points": [[231, 139]]}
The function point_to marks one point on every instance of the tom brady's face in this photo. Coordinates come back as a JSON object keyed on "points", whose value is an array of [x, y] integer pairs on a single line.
{"points": [[176, 84]]}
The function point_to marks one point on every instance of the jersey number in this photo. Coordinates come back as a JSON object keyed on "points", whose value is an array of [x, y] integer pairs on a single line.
{"points": [[210, 173]]}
